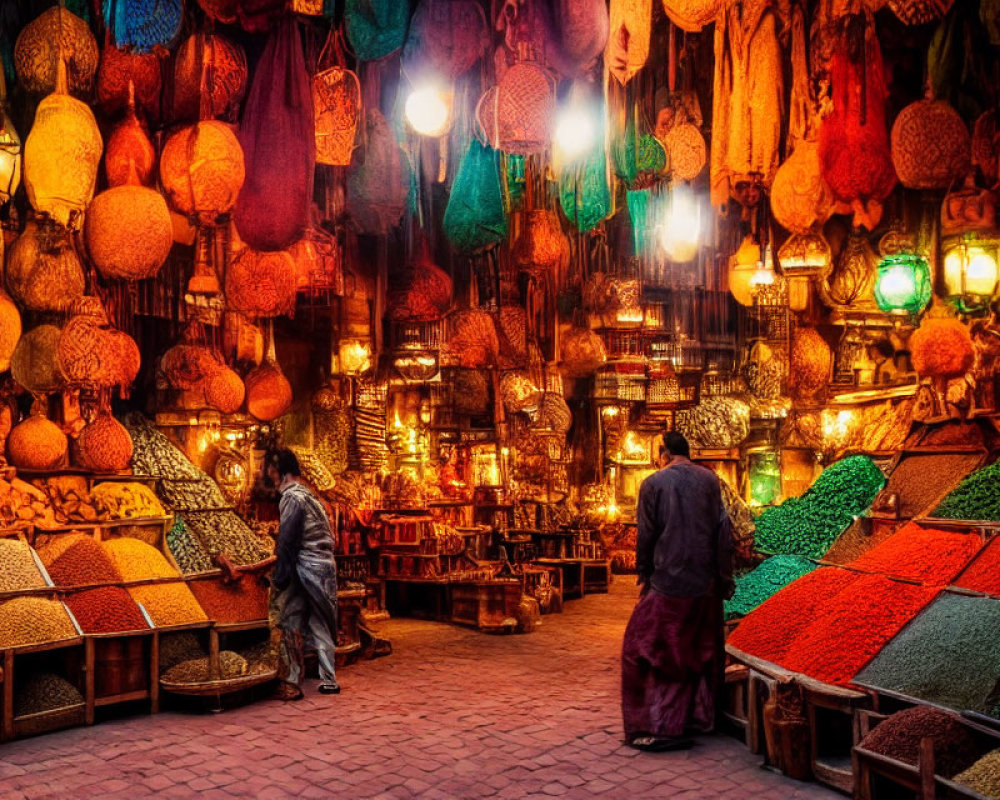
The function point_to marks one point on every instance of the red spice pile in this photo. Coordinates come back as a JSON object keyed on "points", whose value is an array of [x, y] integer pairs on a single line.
{"points": [[82, 563], [920, 554], [106, 610], [241, 601], [983, 574], [853, 626], [769, 630]]}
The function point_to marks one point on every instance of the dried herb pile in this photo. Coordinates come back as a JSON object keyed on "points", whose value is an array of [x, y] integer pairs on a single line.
{"points": [[983, 574], [899, 737], [168, 603], [107, 609], [178, 647], [198, 670], [921, 554], [768, 631], [76, 559], [759, 584], [226, 532], [17, 567], [187, 549], [853, 626], [976, 497], [983, 776], [918, 480], [127, 500], [45, 692], [33, 620], [949, 655], [809, 524]]}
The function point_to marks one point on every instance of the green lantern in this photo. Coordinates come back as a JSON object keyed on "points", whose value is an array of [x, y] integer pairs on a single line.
{"points": [[903, 285]]}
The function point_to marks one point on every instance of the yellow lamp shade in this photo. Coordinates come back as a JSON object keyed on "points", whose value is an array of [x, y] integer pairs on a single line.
{"points": [[970, 272], [743, 268]]}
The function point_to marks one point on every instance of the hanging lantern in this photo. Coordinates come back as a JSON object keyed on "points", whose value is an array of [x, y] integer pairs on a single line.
{"points": [[428, 110], [805, 254], [970, 273], [354, 356], [903, 285], [742, 269], [681, 228]]}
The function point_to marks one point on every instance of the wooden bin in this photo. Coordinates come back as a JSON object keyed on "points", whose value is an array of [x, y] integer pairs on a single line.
{"points": [[832, 712], [122, 667], [735, 700], [486, 605], [67, 658]]}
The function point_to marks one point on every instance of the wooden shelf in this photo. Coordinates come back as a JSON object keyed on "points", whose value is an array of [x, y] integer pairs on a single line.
{"points": [[127, 697]]}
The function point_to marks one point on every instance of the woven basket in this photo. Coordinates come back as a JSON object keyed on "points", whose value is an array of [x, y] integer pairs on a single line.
{"points": [[930, 145], [542, 247], [202, 171], [261, 284], [525, 105], [686, 148], [628, 38], [446, 38], [473, 338], [34, 364], [210, 76], [692, 15], [38, 51], [799, 196], [121, 67], [129, 151], [43, 271], [919, 12]]}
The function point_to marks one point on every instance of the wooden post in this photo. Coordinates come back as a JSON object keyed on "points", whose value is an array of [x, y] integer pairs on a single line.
{"points": [[88, 679], [154, 673], [214, 670], [8, 695], [927, 768]]}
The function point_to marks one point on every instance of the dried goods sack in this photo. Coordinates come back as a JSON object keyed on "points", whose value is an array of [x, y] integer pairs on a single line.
{"points": [[278, 140], [33, 620]]}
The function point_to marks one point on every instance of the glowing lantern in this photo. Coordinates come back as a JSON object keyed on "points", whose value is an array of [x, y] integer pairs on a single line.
{"points": [[681, 227], [742, 269], [903, 285], [428, 110], [575, 132], [355, 356], [971, 274]]}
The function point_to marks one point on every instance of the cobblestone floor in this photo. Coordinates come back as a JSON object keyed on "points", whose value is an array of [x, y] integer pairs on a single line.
{"points": [[451, 714]]}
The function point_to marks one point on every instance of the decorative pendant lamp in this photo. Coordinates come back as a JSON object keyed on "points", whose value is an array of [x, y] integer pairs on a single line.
{"points": [[971, 273], [742, 269], [903, 284]]}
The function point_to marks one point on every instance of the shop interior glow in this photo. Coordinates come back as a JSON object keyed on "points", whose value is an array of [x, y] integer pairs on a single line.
{"points": [[428, 111], [575, 132], [971, 275], [680, 228]]}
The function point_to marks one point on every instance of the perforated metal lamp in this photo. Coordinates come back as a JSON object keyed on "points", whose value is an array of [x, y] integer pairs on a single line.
{"points": [[971, 274], [903, 284]]}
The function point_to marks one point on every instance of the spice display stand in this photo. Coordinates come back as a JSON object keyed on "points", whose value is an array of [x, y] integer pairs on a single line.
{"points": [[74, 662], [122, 667], [833, 728], [736, 699]]}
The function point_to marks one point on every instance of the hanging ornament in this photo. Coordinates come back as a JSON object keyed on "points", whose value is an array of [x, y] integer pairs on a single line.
{"points": [[628, 38]]}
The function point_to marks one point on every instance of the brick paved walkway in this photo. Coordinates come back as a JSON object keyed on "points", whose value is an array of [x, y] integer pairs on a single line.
{"points": [[452, 714]]}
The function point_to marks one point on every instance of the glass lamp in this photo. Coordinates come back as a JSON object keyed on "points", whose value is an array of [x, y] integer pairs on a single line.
{"points": [[903, 284], [971, 274], [743, 267]]}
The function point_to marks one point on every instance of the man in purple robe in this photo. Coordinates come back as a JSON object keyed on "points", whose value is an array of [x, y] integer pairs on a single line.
{"points": [[673, 655]]}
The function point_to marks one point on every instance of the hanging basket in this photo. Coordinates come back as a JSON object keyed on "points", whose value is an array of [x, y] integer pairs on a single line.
{"points": [[210, 77], [34, 363], [687, 151], [799, 196], [525, 108], [261, 284], [919, 12], [473, 338], [103, 446], [92, 354], [56, 34], [930, 145], [43, 271], [692, 15], [542, 247], [336, 95], [129, 149], [445, 39], [628, 38], [202, 170], [118, 69]]}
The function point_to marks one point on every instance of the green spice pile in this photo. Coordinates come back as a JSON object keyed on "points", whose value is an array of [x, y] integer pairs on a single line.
{"points": [[17, 567], [192, 494], [983, 776], [231, 665], [949, 654], [226, 532], [809, 524], [45, 692], [758, 585], [920, 479], [187, 549], [975, 498], [899, 737], [260, 658]]}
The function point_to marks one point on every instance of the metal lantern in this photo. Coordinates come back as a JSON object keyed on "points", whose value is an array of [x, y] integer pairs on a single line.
{"points": [[970, 273], [745, 271], [903, 285]]}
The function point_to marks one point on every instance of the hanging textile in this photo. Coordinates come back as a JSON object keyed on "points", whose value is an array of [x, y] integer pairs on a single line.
{"points": [[376, 28], [640, 213], [524, 110], [579, 28], [628, 38], [379, 181], [144, 24], [584, 194], [475, 216], [748, 103], [854, 141], [278, 141], [446, 38]]}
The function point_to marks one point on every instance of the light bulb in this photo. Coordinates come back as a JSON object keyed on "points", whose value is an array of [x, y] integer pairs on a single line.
{"points": [[428, 110], [575, 132], [681, 226], [981, 273]]}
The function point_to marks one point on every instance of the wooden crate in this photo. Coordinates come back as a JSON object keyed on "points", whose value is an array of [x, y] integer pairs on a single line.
{"points": [[66, 658], [735, 700], [486, 605], [834, 730], [581, 576], [122, 667]]}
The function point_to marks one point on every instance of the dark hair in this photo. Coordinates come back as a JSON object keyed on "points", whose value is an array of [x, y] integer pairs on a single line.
{"points": [[285, 461], [676, 444]]}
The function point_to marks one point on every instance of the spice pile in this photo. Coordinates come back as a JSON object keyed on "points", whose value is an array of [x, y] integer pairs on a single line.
{"points": [[983, 776], [45, 692], [108, 609], [948, 655], [196, 495], [127, 500], [168, 603], [70, 500], [983, 574], [858, 539], [154, 454], [226, 532], [768, 631], [853, 626], [178, 647], [758, 585], [33, 620], [187, 549], [809, 524], [314, 470], [920, 479], [899, 737], [137, 561], [975, 498], [198, 670], [17, 567], [76, 559], [918, 554], [238, 601]]}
